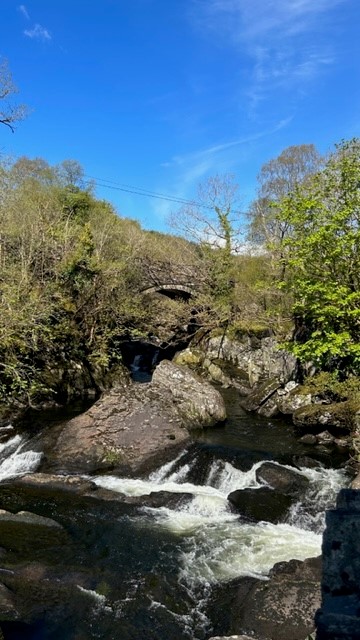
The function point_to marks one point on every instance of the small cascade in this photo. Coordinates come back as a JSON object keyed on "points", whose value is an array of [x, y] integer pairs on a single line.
{"points": [[15, 460], [324, 486], [217, 544]]}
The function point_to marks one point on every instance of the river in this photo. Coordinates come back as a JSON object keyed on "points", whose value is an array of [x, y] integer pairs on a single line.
{"points": [[148, 573]]}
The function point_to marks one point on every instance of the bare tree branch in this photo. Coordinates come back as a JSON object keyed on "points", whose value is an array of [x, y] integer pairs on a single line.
{"points": [[9, 113]]}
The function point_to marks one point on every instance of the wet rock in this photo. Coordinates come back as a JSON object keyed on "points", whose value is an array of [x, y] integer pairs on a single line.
{"points": [[135, 428], [339, 613], [288, 481], [260, 395], [55, 483], [283, 607], [306, 461], [262, 504], [233, 638], [308, 438], [8, 610], [25, 532]]}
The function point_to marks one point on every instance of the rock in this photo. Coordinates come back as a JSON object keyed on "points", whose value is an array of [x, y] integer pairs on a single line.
{"points": [[306, 461], [24, 531], [216, 373], [55, 483], [198, 402], [342, 443], [134, 428], [355, 484], [8, 610], [313, 418], [288, 481], [233, 638], [260, 395], [270, 407], [284, 606], [262, 504], [308, 438], [325, 438], [339, 614], [191, 358], [291, 398], [256, 359]]}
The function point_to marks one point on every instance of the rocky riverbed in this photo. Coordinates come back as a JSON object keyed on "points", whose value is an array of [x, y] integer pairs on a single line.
{"points": [[153, 543]]}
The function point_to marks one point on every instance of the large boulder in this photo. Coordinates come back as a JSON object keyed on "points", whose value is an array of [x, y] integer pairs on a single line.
{"points": [[287, 481], [283, 607], [25, 531], [261, 504], [340, 416], [135, 427], [199, 404]]}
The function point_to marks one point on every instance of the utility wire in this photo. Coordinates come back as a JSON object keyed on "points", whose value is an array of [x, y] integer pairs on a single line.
{"points": [[139, 191]]}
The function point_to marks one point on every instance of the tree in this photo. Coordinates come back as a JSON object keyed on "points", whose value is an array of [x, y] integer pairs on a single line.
{"points": [[277, 179], [9, 113], [322, 259], [213, 222], [213, 219]]}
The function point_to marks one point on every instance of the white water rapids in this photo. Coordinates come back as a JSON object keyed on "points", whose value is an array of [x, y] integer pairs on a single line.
{"points": [[15, 460], [218, 546], [214, 543]]}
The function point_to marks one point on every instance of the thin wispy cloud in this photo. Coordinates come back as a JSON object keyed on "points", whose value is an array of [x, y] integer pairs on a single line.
{"points": [[38, 33], [23, 10], [209, 158], [285, 39], [192, 168]]}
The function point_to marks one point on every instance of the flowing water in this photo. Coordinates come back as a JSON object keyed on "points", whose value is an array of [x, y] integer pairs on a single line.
{"points": [[150, 572]]}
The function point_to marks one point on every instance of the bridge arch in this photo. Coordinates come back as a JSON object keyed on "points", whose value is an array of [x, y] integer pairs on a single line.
{"points": [[172, 290]]}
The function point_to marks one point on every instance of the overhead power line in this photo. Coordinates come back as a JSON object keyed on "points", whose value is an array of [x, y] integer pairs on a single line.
{"points": [[139, 191]]}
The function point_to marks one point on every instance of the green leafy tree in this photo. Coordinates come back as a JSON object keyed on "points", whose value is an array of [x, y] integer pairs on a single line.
{"points": [[322, 262]]}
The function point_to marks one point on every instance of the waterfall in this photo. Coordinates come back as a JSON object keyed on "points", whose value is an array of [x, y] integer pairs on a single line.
{"points": [[15, 460]]}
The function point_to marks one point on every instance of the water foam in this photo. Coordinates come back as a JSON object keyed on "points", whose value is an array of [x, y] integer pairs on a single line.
{"points": [[216, 544], [15, 461]]}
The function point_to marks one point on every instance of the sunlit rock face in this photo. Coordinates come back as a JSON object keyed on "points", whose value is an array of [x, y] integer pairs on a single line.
{"points": [[135, 427]]}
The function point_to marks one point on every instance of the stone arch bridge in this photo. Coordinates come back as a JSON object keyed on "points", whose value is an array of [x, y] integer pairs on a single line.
{"points": [[172, 280]]}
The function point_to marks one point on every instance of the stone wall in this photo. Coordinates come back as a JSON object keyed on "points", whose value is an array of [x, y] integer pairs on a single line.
{"points": [[339, 616]]}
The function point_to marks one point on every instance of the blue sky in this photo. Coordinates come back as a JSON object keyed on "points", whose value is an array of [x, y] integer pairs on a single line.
{"points": [[160, 94]]}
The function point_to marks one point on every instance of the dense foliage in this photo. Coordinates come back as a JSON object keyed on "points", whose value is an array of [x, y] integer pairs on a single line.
{"points": [[322, 262], [75, 276], [67, 290]]}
